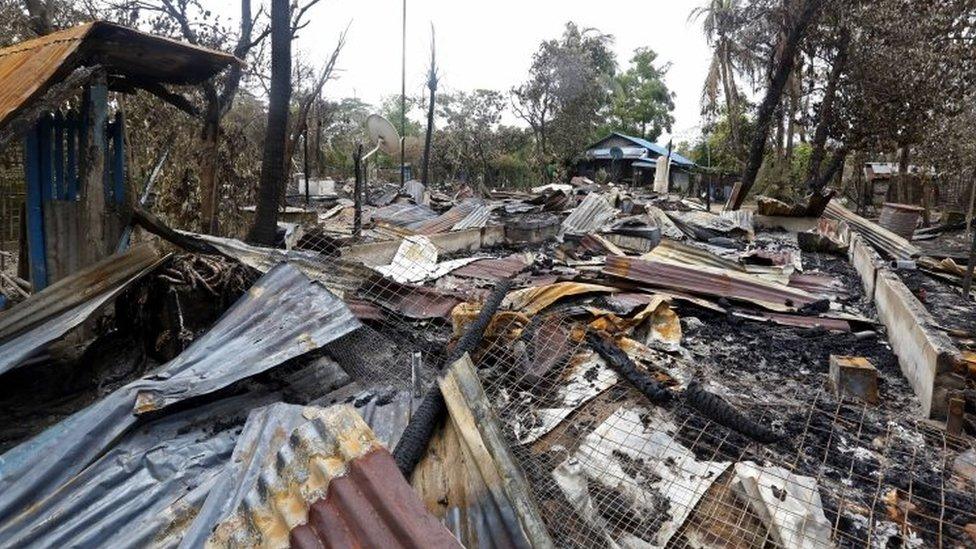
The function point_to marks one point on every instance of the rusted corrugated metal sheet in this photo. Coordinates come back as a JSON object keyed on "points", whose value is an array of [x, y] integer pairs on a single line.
{"points": [[411, 301], [282, 316], [881, 238], [532, 300], [452, 217], [494, 269], [331, 485], [52, 312], [29, 68], [590, 216], [820, 284], [687, 254], [708, 281]]}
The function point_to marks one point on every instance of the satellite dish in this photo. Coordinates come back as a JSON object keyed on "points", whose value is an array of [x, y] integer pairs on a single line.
{"points": [[616, 153], [383, 134]]}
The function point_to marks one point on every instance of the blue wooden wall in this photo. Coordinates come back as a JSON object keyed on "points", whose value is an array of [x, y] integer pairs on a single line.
{"points": [[53, 150]]}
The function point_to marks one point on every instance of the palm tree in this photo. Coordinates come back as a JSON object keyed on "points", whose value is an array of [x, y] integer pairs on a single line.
{"points": [[721, 19]]}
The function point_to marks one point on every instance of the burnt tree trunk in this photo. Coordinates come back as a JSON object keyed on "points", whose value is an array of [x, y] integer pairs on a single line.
{"points": [[764, 116], [209, 153], [826, 110], [432, 86], [273, 169]]}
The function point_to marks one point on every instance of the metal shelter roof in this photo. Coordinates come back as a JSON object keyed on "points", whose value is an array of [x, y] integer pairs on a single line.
{"points": [[29, 68]]}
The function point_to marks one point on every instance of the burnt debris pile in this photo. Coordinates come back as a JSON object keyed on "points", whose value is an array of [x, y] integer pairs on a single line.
{"points": [[571, 365]]}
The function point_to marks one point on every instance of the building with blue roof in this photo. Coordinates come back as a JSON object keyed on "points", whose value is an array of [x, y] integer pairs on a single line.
{"points": [[634, 160]]}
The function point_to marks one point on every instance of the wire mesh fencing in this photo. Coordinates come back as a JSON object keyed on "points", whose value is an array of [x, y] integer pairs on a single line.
{"points": [[607, 466]]}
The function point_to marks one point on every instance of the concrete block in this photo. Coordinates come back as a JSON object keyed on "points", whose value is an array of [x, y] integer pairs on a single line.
{"points": [[532, 228], [924, 352], [865, 260], [789, 224], [954, 419], [854, 376], [492, 235], [381, 253]]}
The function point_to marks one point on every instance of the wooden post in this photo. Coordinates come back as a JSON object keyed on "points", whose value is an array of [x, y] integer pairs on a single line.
{"points": [[357, 219], [967, 279], [308, 194], [92, 177], [59, 193], [118, 159], [36, 247], [71, 177]]}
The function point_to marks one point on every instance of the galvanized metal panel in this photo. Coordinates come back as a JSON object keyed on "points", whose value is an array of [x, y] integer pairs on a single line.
{"points": [[282, 316], [879, 237], [331, 485], [466, 215], [51, 313], [148, 488], [590, 216]]}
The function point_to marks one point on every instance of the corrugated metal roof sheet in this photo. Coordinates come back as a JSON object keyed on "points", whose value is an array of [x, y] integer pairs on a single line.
{"points": [[331, 485], [708, 281], [403, 214], [590, 216], [881, 238], [494, 269], [52, 312], [148, 488], [282, 316], [28, 68], [451, 218], [410, 300]]}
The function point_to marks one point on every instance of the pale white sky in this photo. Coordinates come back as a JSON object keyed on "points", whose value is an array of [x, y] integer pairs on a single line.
{"points": [[490, 44]]}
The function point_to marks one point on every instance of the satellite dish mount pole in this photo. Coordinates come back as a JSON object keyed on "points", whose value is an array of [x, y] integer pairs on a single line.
{"points": [[403, 94]]}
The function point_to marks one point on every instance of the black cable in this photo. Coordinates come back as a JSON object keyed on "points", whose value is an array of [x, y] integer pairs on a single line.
{"points": [[715, 408], [416, 437]]}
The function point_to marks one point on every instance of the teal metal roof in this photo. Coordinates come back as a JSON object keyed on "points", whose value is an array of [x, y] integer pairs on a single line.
{"points": [[658, 150]]}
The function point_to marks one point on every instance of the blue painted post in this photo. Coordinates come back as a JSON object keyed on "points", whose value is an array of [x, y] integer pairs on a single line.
{"points": [[71, 184], [44, 157], [118, 159], [36, 246], [59, 192]]}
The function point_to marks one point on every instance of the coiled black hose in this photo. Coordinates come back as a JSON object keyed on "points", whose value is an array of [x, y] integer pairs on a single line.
{"points": [[715, 408], [413, 443], [617, 359]]}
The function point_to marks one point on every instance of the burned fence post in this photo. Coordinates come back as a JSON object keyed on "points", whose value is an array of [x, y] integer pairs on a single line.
{"points": [[357, 220], [413, 443], [715, 408], [617, 359]]}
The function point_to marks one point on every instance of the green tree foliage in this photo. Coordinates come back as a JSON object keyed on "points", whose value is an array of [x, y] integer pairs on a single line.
{"points": [[567, 95], [466, 146], [641, 103]]}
